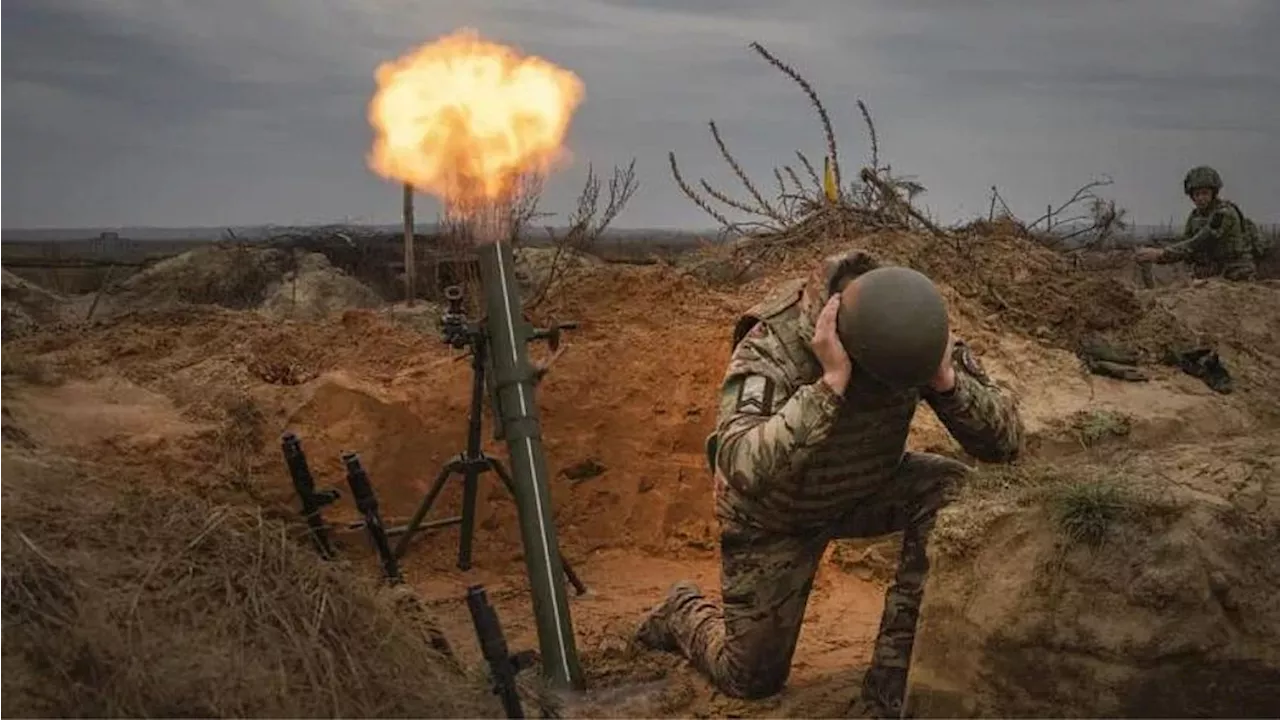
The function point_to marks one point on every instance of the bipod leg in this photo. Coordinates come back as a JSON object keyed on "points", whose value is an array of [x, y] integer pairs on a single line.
{"points": [[313, 501], [367, 504], [578, 586], [503, 666], [472, 467], [425, 506], [474, 460]]}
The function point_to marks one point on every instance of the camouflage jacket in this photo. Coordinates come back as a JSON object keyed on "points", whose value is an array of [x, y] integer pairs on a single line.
{"points": [[789, 454], [1214, 243]]}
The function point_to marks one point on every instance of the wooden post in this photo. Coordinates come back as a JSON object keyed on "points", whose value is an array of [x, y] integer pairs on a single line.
{"points": [[410, 265]]}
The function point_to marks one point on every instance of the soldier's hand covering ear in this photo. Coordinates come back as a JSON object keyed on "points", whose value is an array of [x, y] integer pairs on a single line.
{"points": [[945, 380], [836, 363]]}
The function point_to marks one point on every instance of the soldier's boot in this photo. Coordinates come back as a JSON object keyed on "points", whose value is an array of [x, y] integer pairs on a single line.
{"points": [[881, 696], [655, 630]]}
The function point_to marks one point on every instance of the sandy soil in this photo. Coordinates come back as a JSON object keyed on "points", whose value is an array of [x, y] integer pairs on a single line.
{"points": [[196, 398]]}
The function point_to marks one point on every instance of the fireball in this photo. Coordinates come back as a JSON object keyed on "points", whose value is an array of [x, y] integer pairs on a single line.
{"points": [[463, 118]]}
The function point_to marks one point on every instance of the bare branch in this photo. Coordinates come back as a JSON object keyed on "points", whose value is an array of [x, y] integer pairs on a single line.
{"points": [[695, 197], [795, 179], [588, 222], [1083, 194], [764, 207], [808, 167], [524, 209], [817, 104], [888, 192], [871, 130], [725, 199]]}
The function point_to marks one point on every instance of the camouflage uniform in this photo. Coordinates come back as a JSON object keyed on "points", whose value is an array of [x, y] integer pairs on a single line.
{"points": [[796, 466], [1215, 243]]}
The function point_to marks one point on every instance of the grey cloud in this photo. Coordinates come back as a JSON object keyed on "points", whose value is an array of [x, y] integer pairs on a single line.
{"points": [[240, 111]]}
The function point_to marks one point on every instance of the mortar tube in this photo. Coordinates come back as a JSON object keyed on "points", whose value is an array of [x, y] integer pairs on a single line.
{"points": [[513, 379]]}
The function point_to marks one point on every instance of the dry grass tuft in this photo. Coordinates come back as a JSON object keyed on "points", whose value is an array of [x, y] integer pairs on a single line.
{"points": [[1092, 427], [148, 602], [1085, 511], [240, 442], [1084, 503]]}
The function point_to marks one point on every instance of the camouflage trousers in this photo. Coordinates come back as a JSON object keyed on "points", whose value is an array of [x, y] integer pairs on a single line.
{"points": [[745, 645]]}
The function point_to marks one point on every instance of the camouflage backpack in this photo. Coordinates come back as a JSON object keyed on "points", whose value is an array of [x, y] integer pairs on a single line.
{"points": [[1260, 244]]}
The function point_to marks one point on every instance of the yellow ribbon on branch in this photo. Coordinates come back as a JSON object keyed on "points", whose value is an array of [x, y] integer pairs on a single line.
{"points": [[829, 181]]}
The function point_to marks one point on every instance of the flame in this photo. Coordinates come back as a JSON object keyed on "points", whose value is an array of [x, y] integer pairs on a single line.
{"points": [[464, 118]]}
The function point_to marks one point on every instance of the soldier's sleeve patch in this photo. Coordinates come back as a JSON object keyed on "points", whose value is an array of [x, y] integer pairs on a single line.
{"points": [[755, 395], [1216, 221], [963, 355]]}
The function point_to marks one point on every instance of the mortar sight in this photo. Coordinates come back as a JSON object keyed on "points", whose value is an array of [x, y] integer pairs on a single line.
{"points": [[453, 294], [453, 322], [459, 332]]}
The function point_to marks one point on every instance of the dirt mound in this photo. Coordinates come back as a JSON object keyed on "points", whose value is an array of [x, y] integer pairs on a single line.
{"points": [[1239, 320], [1002, 285], [315, 289], [241, 277], [209, 347], [1029, 288], [28, 306], [1108, 590], [128, 600], [990, 272], [536, 266], [229, 275]]}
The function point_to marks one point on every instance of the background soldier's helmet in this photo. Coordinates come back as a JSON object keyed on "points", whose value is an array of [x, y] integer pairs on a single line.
{"points": [[893, 323], [1202, 177]]}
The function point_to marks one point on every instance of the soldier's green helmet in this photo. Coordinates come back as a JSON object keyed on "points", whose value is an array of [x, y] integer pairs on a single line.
{"points": [[893, 323], [1201, 177]]}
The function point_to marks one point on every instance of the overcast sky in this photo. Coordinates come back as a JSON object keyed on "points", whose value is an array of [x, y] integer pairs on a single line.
{"points": [[196, 112]]}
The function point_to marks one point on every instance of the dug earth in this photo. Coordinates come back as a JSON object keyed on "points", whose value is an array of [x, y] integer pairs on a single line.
{"points": [[1140, 586], [1127, 566]]}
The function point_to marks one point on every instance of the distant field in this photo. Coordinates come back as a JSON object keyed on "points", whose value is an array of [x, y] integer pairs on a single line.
{"points": [[76, 265], [75, 261]]}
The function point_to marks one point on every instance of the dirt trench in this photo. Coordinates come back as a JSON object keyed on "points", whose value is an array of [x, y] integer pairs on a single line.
{"points": [[195, 399]]}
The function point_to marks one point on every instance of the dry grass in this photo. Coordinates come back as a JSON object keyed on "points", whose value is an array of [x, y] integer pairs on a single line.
{"points": [[28, 368], [1092, 427], [1084, 503], [1086, 511], [127, 600], [239, 442]]}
